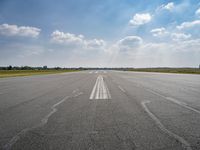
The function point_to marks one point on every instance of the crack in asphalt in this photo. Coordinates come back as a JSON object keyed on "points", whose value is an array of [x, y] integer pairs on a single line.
{"points": [[180, 139], [17, 137]]}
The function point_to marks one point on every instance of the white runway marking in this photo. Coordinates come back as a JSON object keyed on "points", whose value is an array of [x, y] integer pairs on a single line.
{"points": [[184, 143], [176, 101], [100, 90], [96, 71]]}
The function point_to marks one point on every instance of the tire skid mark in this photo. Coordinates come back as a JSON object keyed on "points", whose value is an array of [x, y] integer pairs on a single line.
{"points": [[180, 139], [44, 120]]}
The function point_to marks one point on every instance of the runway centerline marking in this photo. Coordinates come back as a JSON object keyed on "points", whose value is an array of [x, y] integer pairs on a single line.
{"points": [[184, 143], [100, 89]]}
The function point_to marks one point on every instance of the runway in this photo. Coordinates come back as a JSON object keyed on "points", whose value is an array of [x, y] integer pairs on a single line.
{"points": [[100, 110]]}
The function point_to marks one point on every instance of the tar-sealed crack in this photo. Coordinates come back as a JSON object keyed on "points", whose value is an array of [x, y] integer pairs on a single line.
{"points": [[44, 120]]}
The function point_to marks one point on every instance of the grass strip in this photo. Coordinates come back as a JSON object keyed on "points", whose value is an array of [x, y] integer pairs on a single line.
{"points": [[17, 73], [168, 70]]}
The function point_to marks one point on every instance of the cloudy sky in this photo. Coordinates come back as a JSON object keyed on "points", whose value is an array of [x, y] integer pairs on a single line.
{"points": [[100, 33]]}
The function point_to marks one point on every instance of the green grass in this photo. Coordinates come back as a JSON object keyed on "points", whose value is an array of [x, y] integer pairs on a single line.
{"points": [[168, 70], [17, 73]]}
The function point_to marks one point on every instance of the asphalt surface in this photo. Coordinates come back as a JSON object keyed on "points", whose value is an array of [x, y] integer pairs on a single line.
{"points": [[100, 110]]}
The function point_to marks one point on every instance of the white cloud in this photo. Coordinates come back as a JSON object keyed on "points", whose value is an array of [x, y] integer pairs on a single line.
{"points": [[140, 19], [198, 12], [169, 6], [159, 32], [162, 32], [130, 42], [169, 53], [95, 43], [180, 36], [14, 30], [76, 40], [66, 38], [186, 25], [190, 45]]}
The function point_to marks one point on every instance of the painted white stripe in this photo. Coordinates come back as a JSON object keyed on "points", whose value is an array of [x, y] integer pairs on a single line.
{"points": [[108, 95], [100, 90], [175, 101], [94, 89], [96, 71], [104, 93], [90, 72], [184, 143], [97, 90]]}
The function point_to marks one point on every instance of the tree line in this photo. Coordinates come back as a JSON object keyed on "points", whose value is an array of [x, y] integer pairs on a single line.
{"points": [[36, 68]]}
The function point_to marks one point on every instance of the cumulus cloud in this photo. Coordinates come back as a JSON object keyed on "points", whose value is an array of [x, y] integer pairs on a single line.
{"points": [[153, 54], [95, 43], [180, 36], [191, 45], [76, 40], [158, 32], [61, 37], [130, 41], [14, 30], [127, 44], [140, 19], [162, 32], [198, 12], [169, 7], [186, 25]]}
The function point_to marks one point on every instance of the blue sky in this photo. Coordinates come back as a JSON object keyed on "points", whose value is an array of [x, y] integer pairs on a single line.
{"points": [[107, 33]]}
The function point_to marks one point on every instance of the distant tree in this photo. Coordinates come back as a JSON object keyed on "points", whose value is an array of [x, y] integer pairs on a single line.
{"points": [[45, 67], [9, 67], [57, 68], [26, 68]]}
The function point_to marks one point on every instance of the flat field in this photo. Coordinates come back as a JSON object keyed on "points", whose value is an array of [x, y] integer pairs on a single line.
{"points": [[16, 73], [169, 70]]}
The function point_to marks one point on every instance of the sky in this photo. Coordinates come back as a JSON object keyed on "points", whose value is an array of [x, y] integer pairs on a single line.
{"points": [[100, 33]]}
